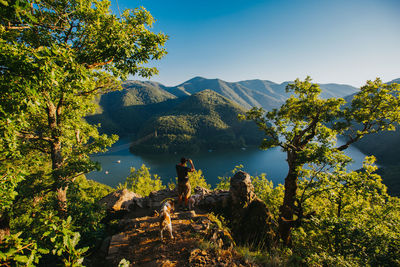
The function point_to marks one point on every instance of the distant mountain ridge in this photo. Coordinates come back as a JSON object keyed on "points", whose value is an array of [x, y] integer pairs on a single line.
{"points": [[250, 93], [124, 112], [144, 108]]}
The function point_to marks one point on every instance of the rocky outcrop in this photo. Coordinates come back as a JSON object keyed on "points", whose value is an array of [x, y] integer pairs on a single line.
{"points": [[247, 216], [217, 201], [127, 203], [155, 199], [241, 189], [139, 242], [254, 225], [119, 200]]}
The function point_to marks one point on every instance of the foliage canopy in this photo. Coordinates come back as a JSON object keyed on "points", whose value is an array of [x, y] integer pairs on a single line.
{"points": [[55, 57], [306, 127]]}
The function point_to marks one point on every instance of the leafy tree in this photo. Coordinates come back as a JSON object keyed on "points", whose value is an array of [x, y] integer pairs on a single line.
{"points": [[141, 182], [306, 128], [196, 178], [356, 221], [55, 56]]}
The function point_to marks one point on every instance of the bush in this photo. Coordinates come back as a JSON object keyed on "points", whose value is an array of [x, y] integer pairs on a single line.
{"points": [[225, 181], [196, 178], [86, 213], [141, 182]]}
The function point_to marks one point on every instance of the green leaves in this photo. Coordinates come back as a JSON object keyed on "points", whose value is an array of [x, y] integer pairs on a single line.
{"points": [[16, 250], [306, 127], [376, 107], [141, 181], [55, 58]]}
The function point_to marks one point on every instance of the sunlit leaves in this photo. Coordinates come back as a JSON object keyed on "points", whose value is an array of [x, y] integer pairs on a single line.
{"points": [[142, 182], [55, 58]]}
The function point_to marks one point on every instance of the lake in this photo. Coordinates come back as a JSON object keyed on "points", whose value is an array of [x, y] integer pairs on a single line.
{"points": [[117, 161]]}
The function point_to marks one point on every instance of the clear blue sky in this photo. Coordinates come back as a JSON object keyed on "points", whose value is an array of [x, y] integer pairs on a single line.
{"points": [[341, 41]]}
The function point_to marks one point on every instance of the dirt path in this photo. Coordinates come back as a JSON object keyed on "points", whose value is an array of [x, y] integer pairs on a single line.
{"points": [[140, 243]]}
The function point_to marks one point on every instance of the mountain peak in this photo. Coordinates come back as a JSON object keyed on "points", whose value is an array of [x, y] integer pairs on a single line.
{"points": [[196, 79], [394, 81]]}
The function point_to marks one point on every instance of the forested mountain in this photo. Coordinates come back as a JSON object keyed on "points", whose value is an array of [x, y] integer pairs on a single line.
{"points": [[205, 120], [250, 93], [124, 112]]}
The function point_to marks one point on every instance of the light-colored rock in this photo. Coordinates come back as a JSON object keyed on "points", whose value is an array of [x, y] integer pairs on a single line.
{"points": [[119, 200]]}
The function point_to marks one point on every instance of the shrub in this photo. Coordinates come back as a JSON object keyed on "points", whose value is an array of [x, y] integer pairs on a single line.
{"points": [[196, 178], [141, 182]]}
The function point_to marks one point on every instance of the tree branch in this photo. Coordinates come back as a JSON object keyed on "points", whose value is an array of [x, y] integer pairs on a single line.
{"points": [[60, 106], [312, 127], [32, 136], [352, 140], [99, 64]]}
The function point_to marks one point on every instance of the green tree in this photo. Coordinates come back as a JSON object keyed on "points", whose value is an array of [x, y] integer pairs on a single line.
{"points": [[141, 182], [55, 57], [306, 127]]}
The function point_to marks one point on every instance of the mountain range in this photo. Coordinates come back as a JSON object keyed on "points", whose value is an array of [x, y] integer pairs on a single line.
{"points": [[202, 114], [202, 121], [125, 112]]}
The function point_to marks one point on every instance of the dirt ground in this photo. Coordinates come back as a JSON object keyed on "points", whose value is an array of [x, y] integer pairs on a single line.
{"points": [[140, 244]]}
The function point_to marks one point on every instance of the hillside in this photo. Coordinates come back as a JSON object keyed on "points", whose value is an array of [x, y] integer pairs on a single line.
{"points": [[203, 121], [125, 112], [249, 93]]}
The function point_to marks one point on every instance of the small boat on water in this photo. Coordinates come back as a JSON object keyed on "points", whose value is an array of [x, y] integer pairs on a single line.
{"points": [[106, 172], [119, 161]]}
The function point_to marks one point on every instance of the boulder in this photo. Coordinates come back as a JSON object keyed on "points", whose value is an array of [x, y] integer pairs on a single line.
{"points": [[215, 201], [154, 200], [119, 200], [250, 220], [255, 225], [241, 189], [201, 191]]}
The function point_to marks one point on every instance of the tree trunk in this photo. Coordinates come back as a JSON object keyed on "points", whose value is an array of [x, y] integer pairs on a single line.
{"points": [[4, 226], [57, 159], [287, 209]]}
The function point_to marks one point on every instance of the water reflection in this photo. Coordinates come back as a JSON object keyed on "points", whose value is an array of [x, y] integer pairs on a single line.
{"points": [[116, 163]]}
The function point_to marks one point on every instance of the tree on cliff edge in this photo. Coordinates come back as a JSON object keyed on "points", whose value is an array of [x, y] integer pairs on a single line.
{"points": [[306, 127], [55, 57]]}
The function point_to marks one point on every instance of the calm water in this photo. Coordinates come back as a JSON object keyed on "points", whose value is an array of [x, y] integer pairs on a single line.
{"points": [[213, 164]]}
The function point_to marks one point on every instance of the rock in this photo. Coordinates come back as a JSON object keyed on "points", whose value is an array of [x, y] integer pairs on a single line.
{"points": [[199, 257], [222, 239], [255, 226], [154, 200], [201, 191], [241, 189], [215, 201], [250, 220], [119, 200], [104, 245], [247, 216]]}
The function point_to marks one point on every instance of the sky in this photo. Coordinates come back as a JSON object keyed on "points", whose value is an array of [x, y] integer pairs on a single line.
{"points": [[333, 41]]}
